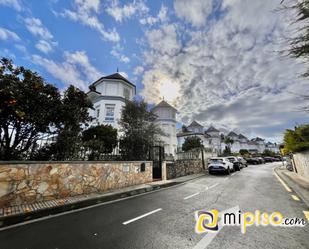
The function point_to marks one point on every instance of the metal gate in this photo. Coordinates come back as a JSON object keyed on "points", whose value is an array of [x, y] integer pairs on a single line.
{"points": [[156, 155]]}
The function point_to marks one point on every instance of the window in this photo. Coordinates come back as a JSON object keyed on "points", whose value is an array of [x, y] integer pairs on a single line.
{"points": [[97, 111], [109, 112], [126, 93]]}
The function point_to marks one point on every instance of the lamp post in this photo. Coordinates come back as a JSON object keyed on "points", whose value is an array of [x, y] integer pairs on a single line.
{"points": [[202, 148]]}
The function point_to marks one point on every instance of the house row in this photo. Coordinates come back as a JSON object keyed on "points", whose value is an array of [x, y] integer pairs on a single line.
{"points": [[109, 94], [215, 140]]}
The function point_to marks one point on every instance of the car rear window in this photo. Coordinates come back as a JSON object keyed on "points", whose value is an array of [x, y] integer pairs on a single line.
{"points": [[216, 161], [231, 159]]}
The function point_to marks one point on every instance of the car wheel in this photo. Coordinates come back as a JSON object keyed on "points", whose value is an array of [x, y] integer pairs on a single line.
{"points": [[210, 172]]}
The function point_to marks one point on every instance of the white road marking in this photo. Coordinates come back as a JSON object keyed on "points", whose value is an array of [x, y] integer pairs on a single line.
{"points": [[206, 240], [283, 183], [188, 197], [306, 213], [141, 216], [295, 198], [90, 207], [212, 186]]}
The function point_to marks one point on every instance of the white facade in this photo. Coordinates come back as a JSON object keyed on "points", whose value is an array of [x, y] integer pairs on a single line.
{"points": [[108, 95], [166, 120], [211, 138]]}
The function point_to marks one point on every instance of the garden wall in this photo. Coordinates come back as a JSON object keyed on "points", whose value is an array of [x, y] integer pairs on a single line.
{"points": [[38, 181], [301, 161], [183, 168]]}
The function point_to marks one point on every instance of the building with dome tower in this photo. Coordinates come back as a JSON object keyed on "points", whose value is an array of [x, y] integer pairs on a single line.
{"points": [[166, 120], [108, 95]]}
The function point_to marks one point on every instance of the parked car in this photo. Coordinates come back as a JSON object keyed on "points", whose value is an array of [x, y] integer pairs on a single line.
{"points": [[269, 159], [236, 163], [219, 164], [278, 158], [242, 161], [261, 160], [252, 160]]}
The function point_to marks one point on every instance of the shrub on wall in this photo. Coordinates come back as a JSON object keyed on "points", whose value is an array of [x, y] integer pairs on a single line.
{"points": [[298, 139]]}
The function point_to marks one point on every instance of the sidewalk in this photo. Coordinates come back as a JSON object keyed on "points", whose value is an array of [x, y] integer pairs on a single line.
{"points": [[299, 184], [16, 214]]}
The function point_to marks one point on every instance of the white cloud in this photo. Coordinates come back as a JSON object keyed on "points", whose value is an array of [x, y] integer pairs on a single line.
{"points": [[164, 40], [228, 73], [193, 11], [16, 4], [6, 34], [21, 48], [81, 58], [85, 12], [120, 13], [138, 70], [161, 17], [75, 69], [120, 56], [44, 46], [35, 26]]}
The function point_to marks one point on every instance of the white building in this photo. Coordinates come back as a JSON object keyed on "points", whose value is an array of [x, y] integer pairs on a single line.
{"points": [[166, 119], [194, 130], [211, 138], [108, 95]]}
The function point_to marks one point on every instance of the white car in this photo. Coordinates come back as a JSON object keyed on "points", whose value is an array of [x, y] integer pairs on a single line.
{"points": [[220, 164]]}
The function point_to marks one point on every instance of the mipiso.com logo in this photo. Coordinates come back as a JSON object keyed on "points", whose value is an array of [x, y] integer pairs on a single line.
{"points": [[209, 221]]}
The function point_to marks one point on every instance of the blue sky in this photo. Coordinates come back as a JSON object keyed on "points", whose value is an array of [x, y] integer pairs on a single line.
{"points": [[214, 60]]}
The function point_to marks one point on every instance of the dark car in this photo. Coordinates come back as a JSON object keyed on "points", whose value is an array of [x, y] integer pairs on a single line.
{"points": [[235, 162], [278, 158], [269, 159], [261, 160], [252, 160]]}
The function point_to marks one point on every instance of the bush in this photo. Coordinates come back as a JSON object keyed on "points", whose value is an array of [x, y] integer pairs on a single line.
{"points": [[192, 143], [298, 139]]}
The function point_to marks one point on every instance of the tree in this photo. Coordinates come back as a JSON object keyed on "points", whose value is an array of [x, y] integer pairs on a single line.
{"points": [[297, 140], [28, 109], [99, 139], [184, 128], [192, 143], [139, 130], [299, 43], [227, 151], [268, 153], [228, 141], [73, 113], [244, 152]]}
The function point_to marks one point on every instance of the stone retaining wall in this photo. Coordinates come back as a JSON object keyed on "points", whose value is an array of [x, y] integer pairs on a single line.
{"points": [[301, 161], [183, 168], [32, 182]]}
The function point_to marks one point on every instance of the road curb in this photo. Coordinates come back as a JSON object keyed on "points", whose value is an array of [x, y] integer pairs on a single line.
{"points": [[7, 221], [297, 188]]}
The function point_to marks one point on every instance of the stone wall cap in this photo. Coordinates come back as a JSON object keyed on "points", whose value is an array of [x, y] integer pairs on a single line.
{"points": [[67, 162]]}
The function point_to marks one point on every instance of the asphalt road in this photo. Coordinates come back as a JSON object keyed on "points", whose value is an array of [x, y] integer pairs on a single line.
{"points": [[165, 219]]}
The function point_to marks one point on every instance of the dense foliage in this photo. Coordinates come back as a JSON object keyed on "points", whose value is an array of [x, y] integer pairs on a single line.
{"points": [[297, 140], [31, 109], [139, 131], [192, 143], [299, 43], [99, 139], [28, 108]]}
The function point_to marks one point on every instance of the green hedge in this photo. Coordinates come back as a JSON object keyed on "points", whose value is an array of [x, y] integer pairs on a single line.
{"points": [[298, 139]]}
